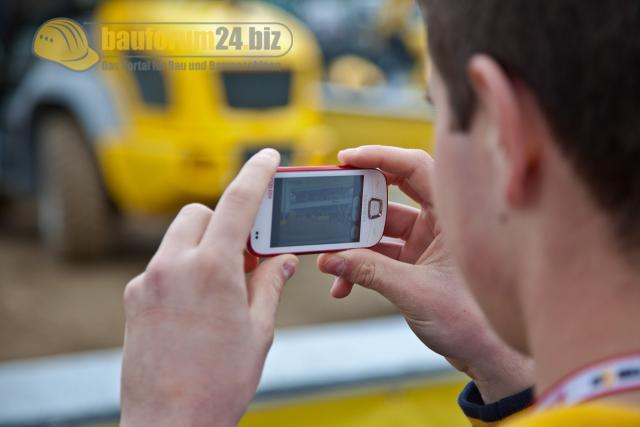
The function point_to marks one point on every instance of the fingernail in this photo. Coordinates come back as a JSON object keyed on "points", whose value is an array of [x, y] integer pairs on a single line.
{"points": [[289, 268], [270, 152], [334, 265], [341, 153]]}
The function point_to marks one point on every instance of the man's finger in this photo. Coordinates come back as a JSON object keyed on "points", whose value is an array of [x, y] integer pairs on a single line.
{"points": [[400, 220], [236, 211], [410, 166], [266, 284], [187, 228], [368, 269], [404, 186], [422, 235], [389, 249], [341, 288]]}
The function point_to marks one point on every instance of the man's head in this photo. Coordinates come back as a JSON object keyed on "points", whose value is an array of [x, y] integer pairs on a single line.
{"points": [[538, 127]]}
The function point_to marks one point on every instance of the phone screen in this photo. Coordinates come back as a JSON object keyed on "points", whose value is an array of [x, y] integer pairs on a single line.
{"points": [[316, 210]]}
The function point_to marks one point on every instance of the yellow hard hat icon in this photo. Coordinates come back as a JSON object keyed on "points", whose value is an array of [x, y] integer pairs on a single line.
{"points": [[64, 41]]}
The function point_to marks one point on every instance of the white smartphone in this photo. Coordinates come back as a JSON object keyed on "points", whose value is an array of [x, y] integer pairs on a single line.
{"points": [[320, 209]]}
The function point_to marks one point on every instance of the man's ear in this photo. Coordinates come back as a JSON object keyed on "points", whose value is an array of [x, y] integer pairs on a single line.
{"points": [[505, 107]]}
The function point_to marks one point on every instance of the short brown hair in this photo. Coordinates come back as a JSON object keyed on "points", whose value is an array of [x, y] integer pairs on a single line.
{"points": [[581, 59]]}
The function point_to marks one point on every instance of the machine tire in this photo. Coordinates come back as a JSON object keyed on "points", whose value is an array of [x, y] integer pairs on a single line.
{"points": [[75, 218]]}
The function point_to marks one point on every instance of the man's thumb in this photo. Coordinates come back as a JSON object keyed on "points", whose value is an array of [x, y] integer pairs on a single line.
{"points": [[366, 268], [266, 285]]}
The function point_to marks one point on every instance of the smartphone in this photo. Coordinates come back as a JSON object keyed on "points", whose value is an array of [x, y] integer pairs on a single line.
{"points": [[320, 209]]}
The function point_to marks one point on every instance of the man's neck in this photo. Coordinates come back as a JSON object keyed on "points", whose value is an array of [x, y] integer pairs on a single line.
{"points": [[581, 308]]}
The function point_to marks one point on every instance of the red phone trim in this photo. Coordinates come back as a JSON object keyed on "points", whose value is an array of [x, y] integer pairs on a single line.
{"points": [[250, 249], [256, 254], [312, 169]]}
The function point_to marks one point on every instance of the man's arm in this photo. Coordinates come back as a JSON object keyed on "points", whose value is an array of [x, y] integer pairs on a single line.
{"points": [[422, 280], [197, 333]]}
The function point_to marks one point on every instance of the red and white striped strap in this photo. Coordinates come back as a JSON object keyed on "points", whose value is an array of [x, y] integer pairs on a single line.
{"points": [[605, 378]]}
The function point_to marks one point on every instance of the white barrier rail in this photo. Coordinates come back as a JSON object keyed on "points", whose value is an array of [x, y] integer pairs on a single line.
{"points": [[85, 386]]}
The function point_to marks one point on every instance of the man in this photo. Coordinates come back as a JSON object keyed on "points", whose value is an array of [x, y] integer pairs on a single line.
{"points": [[527, 240]]}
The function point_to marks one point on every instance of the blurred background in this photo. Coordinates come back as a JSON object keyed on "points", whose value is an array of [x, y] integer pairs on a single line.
{"points": [[94, 164]]}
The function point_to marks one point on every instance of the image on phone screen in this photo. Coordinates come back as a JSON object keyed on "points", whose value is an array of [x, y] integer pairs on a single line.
{"points": [[316, 210]]}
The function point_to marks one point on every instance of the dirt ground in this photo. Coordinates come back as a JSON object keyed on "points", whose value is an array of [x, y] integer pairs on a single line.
{"points": [[48, 306]]}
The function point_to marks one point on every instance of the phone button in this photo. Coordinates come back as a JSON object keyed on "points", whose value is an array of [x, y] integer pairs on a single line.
{"points": [[375, 208]]}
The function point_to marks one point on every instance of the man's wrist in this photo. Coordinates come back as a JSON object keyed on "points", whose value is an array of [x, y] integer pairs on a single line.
{"points": [[506, 373], [496, 390]]}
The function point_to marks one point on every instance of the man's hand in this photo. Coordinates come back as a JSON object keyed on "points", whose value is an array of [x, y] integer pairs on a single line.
{"points": [[421, 279], [197, 333]]}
